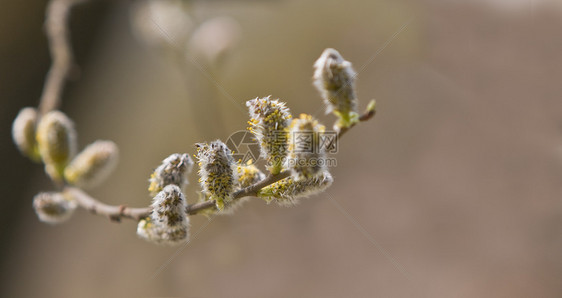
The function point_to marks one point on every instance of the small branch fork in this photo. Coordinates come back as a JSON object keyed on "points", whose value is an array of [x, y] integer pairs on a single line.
{"points": [[116, 213]]}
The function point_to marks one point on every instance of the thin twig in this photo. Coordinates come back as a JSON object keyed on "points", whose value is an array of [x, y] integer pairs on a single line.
{"points": [[115, 213], [250, 191], [56, 26], [365, 117]]}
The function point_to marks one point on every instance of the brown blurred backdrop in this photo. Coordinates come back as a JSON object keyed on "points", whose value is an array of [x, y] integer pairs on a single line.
{"points": [[453, 190]]}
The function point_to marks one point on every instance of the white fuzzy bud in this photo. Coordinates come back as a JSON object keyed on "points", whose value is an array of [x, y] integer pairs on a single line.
{"points": [[269, 123], [335, 80], [288, 191], [173, 170], [23, 133], [168, 222], [56, 139], [217, 172], [93, 165], [53, 207]]}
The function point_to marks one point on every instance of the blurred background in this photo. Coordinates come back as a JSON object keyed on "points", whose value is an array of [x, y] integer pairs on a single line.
{"points": [[452, 190]]}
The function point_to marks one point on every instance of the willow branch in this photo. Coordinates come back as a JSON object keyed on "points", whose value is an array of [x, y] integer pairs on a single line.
{"points": [[56, 26], [250, 191], [116, 213]]}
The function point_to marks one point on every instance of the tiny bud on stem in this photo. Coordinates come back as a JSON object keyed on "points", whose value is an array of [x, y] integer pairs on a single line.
{"points": [[23, 133], [56, 138], [93, 165]]}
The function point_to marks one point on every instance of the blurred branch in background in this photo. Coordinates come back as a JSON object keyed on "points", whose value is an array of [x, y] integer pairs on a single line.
{"points": [[197, 49], [56, 26]]}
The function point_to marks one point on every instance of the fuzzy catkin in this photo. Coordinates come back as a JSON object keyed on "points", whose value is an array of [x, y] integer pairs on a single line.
{"points": [[168, 222], [56, 139], [53, 207], [269, 123], [23, 133], [334, 78], [248, 174], [173, 170], [288, 191], [93, 165], [307, 157], [217, 172]]}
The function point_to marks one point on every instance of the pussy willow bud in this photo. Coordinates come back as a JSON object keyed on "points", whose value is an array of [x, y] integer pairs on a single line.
{"points": [[91, 166], [269, 123], [248, 174], [23, 133], [168, 222], [53, 207], [307, 158], [56, 138], [288, 191], [173, 170], [217, 172], [335, 80]]}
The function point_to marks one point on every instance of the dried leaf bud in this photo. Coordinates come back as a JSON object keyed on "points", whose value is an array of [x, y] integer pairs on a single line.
{"points": [[248, 174], [168, 222], [91, 166], [335, 80], [269, 123], [53, 207], [173, 170], [23, 133], [56, 138], [307, 158], [217, 172], [288, 191]]}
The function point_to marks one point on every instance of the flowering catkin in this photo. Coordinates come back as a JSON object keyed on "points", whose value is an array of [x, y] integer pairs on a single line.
{"points": [[269, 122], [248, 174], [335, 80], [173, 170], [288, 191], [23, 133], [168, 222], [56, 139], [217, 172], [307, 158], [91, 166], [53, 207]]}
